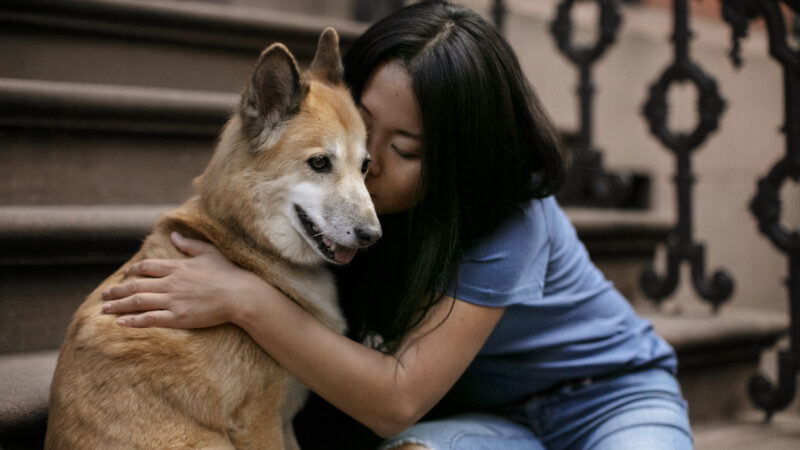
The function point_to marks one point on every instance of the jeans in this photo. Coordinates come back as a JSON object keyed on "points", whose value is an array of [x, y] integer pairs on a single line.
{"points": [[642, 410]]}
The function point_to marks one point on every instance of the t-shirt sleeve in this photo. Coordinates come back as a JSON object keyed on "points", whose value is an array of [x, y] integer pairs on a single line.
{"points": [[509, 266]]}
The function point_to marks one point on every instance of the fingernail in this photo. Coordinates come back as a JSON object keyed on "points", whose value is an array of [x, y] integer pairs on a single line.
{"points": [[121, 321], [106, 307], [176, 235], [106, 293]]}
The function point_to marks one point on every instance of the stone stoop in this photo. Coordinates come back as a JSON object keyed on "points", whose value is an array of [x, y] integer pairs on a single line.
{"points": [[25, 390], [748, 431], [173, 44], [718, 354], [109, 108], [51, 257], [68, 143], [54, 256]]}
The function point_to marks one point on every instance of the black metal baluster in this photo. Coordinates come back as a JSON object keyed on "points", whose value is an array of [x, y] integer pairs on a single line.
{"points": [[766, 205], [499, 14], [587, 183], [681, 246]]}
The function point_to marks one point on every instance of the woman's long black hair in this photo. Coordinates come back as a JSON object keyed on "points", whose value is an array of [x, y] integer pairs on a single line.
{"points": [[487, 146]]}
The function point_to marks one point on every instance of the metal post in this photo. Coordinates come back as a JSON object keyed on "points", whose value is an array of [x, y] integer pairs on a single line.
{"points": [[588, 184], [766, 205], [710, 106]]}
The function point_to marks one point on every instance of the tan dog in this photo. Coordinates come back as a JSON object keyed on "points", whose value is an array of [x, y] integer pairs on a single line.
{"points": [[283, 193]]}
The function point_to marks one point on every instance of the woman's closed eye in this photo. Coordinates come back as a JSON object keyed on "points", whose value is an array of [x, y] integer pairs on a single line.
{"points": [[404, 153]]}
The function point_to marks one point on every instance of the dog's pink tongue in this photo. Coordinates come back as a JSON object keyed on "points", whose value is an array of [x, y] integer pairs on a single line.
{"points": [[344, 254]]}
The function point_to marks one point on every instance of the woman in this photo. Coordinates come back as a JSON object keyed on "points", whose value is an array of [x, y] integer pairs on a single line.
{"points": [[479, 300]]}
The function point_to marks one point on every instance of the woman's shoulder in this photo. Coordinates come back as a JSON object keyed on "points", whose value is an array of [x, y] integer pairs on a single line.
{"points": [[526, 228], [508, 265]]}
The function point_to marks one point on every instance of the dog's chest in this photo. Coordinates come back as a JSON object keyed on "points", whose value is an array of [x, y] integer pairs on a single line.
{"points": [[315, 291]]}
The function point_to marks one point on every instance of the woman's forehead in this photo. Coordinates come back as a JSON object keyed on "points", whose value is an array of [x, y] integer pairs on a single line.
{"points": [[388, 96]]}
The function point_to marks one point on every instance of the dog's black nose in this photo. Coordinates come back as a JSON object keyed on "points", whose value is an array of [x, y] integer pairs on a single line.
{"points": [[367, 235]]}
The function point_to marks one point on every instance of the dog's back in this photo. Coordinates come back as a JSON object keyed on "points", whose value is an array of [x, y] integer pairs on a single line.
{"points": [[120, 387]]}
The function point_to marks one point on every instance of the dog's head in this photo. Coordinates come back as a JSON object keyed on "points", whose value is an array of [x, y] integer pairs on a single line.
{"points": [[289, 167]]}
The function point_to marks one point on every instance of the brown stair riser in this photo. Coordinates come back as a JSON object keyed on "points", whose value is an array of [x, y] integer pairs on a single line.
{"points": [[37, 303], [186, 45], [110, 60], [42, 167]]}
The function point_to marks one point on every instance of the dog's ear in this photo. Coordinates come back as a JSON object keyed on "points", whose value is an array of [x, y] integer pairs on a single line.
{"points": [[274, 94], [327, 63]]}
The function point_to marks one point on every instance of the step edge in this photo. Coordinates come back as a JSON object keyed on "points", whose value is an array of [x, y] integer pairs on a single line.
{"points": [[189, 22], [69, 105], [78, 235], [734, 325], [25, 387]]}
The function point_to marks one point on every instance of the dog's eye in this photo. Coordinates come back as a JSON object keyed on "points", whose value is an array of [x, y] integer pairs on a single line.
{"points": [[364, 166], [320, 163]]}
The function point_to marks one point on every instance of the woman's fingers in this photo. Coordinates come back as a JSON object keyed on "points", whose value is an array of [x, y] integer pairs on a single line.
{"points": [[151, 268], [137, 286], [135, 303], [191, 247], [160, 318]]}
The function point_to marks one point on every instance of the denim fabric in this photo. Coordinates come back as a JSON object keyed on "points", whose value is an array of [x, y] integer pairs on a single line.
{"points": [[639, 410]]}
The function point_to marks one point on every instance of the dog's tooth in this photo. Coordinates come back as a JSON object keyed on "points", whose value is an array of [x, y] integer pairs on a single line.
{"points": [[333, 247]]}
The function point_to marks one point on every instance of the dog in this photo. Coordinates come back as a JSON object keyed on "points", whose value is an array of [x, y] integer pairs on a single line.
{"points": [[282, 196]]}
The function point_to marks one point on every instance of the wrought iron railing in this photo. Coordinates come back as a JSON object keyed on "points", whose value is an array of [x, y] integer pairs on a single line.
{"points": [[782, 19], [766, 205]]}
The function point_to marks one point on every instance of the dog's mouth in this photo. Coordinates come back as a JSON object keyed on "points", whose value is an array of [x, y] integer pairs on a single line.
{"points": [[332, 251]]}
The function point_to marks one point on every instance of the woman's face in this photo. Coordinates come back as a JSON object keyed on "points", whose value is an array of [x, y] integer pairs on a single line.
{"points": [[394, 138]]}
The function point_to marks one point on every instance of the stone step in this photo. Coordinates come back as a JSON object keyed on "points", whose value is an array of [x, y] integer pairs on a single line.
{"points": [[176, 44], [51, 257], [718, 353], [748, 432], [76, 143], [25, 390]]}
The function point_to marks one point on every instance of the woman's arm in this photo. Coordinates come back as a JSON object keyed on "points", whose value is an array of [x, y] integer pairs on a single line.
{"points": [[386, 393]]}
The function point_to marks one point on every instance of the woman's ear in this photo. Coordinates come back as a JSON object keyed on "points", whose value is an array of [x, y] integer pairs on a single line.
{"points": [[327, 63], [274, 93]]}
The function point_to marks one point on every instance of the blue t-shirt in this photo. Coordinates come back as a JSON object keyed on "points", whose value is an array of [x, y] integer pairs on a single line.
{"points": [[563, 319]]}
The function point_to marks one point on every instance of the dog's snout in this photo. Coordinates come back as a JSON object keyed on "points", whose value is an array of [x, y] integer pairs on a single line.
{"points": [[367, 235]]}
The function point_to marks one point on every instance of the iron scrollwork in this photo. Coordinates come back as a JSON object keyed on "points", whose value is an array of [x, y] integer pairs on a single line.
{"points": [[681, 246], [587, 183], [766, 204]]}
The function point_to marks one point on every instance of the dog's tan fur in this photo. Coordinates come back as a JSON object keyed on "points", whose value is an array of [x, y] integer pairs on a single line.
{"points": [[159, 388]]}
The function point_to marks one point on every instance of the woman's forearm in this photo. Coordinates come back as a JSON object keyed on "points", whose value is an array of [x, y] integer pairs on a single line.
{"points": [[364, 383]]}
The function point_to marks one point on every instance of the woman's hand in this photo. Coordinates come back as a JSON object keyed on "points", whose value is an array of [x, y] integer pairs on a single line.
{"points": [[201, 291]]}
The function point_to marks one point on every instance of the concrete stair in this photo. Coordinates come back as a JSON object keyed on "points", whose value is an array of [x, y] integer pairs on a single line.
{"points": [[175, 44], [109, 108]]}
